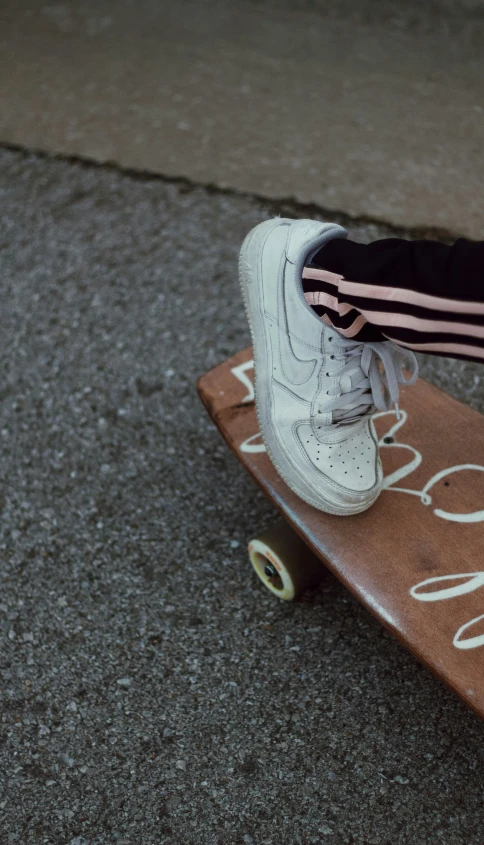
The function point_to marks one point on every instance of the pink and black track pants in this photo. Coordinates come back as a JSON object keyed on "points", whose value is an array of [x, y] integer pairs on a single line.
{"points": [[423, 295]]}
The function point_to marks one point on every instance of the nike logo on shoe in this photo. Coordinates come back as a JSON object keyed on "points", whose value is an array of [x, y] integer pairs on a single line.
{"points": [[294, 369]]}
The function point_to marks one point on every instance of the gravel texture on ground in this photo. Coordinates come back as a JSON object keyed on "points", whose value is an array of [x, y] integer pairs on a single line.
{"points": [[152, 692]]}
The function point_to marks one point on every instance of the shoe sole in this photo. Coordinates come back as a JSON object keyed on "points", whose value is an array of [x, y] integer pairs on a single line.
{"points": [[248, 258]]}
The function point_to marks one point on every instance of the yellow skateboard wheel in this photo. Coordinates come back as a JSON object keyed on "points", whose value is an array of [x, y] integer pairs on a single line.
{"points": [[283, 562]]}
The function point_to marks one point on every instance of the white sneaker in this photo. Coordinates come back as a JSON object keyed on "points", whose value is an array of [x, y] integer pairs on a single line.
{"points": [[315, 390]]}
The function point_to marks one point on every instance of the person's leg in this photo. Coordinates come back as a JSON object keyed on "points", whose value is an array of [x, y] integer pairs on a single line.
{"points": [[421, 294]]}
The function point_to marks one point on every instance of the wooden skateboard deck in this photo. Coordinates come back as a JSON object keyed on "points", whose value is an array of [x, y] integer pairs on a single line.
{"points": [[416, 558]]}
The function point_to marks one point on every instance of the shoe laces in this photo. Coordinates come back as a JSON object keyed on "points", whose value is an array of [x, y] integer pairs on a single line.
{"points": [[368, 379]]}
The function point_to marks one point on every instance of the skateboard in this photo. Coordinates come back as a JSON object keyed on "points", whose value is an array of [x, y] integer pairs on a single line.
{"points": [[416, 558]]}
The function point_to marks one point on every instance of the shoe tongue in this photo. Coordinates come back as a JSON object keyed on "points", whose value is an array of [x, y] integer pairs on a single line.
{"points": [[308, 235]]}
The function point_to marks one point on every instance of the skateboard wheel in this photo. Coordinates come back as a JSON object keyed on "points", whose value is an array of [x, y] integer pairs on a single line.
{"points": [[283, 562]]}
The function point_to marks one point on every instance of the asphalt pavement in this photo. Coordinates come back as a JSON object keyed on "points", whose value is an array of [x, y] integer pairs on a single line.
{"points": [[152, 692]]}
